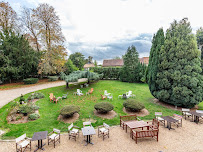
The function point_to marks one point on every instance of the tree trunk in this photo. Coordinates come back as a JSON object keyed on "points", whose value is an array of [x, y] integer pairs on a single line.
{"points": [[67, 86]]}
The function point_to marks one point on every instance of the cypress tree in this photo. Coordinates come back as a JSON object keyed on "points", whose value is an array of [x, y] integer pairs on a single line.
{"points": [[131, 69], [179, 80], [157, 42]]}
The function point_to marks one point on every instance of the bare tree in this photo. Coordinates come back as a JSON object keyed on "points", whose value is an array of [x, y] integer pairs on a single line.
{"points": [[31, 24], [8, 16]]}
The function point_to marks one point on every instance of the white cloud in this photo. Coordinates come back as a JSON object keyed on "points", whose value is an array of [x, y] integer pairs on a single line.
{"points": [[108, 21]]}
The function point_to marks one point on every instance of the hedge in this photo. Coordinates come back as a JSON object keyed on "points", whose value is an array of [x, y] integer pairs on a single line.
{"points": [[30, 80], [53, 78], [109, 72]]}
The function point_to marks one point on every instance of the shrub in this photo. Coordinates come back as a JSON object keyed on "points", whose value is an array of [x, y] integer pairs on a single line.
{"points": [[34, 107], [53, 78], [34, 116], [68, 111], [38, 95], [103, 107], [133, 105], [30, 80], [18, 117], [25, 108]]}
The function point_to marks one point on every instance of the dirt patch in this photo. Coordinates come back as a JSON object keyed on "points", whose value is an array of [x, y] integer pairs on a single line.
{"points": [[142, 113], [110, 115], [69, 120], [169, 106]]}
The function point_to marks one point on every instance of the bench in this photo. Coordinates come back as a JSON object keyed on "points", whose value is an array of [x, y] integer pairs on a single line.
{"points": [[154, 133], [123, 119]]}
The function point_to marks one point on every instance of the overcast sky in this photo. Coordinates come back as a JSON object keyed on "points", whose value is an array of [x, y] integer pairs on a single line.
{"points": [[105, 28]]}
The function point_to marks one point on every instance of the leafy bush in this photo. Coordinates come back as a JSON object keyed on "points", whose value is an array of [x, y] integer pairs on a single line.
{"points": [[36, 96], [68, 111], [18, 117], [25, 108], [34, 116], [30, 80], [133, 105], [34, 107], [53, 78], [103, 107]]}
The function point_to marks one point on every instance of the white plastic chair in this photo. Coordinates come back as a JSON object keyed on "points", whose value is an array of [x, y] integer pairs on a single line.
{"points": [[129, 94], [79, 92], [105, 93]]}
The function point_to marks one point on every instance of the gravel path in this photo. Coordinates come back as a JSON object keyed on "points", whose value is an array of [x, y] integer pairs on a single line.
{"points": [[8, 95], [183, 139]]}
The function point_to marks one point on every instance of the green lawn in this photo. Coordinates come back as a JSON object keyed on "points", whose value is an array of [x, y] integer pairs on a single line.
{"points": [[50, 111]]}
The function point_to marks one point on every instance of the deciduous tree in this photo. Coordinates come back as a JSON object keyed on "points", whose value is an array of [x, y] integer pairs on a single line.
{"points": [[8, 17], [78, 59]]}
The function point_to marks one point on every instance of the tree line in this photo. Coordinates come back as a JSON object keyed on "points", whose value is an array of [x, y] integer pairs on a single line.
{"points": [[32, 44]]}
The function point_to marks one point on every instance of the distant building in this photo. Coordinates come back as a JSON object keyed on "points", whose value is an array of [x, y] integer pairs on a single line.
{"points": [[88, 66], [119, 62], [113, 63], [144, 60]]}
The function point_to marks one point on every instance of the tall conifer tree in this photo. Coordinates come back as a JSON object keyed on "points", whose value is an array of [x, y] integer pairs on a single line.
{"points": [[157, 43], [179, 80]]}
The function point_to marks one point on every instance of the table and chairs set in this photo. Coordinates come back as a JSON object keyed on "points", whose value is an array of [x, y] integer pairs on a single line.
{"points": [[22, 142], [195, 116], [140, 128], [88, 131]]}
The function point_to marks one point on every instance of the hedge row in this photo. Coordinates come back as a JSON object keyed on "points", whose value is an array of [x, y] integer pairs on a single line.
{"points": [[109, 72]]}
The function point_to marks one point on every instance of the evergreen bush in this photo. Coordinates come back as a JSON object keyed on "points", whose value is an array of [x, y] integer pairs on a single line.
{"points": [[133, 105], [103, 107], [34, 116], [53, 78], [30, 80], [68, 111]]}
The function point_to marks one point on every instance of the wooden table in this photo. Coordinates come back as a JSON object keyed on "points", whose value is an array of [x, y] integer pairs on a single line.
{"points": [[169, 121], [196, 116], [87, 131], [135, 124], [40, 136]]}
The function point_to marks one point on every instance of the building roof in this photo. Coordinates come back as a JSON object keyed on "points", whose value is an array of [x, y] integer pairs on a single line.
{"points": [[144, 60], [89, 65], [112, 62]]}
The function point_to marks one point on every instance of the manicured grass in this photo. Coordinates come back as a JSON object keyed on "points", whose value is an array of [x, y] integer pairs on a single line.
{"points": [[49, 112]]}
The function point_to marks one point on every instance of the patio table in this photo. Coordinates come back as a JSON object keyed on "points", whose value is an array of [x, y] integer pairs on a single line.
{"points": [[196, 116], [169, 121], [40, 136], [133, 124], [87, 131]]}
